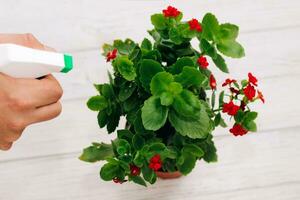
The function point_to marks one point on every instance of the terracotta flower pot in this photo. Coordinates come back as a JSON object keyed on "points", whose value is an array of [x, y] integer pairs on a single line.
{"points": [[168, 175]]}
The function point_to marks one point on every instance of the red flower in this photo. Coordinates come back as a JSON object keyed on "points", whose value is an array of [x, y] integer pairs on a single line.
{"points": [[117, 180], [237, 129], [230, 108], [155, 162], [202, 61], [249, 92], [111, 55], [134, 170], [212, 82], [228, 82], [171, 12], [260, 96], [252, 79], [195, 25]]}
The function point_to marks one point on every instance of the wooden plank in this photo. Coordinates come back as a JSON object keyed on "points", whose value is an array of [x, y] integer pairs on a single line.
{"points": [[77, 126], [263, 58], [257, 166], [76, 25]]}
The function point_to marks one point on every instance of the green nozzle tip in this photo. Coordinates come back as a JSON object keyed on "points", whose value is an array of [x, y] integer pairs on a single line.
{"points": [[68, 64]]}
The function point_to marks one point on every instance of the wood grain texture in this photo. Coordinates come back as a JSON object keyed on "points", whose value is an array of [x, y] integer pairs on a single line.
{"points": [[76, 25], [264, 165], [257, 166]]}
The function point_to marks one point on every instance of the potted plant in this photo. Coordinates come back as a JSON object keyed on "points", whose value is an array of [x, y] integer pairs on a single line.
{"points": [[167, 92]]}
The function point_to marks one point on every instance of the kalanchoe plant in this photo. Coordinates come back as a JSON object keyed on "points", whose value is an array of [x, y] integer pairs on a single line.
{"points": [[162, 89]]}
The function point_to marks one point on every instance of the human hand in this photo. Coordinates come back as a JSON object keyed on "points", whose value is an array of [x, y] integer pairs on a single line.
{"points": [[25, 101]]}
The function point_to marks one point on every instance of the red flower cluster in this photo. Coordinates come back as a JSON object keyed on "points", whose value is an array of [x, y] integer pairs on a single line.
{"points": [[252, 79], [249, 92], [111, 55], [212, 82], [202, 61], [134, 170], [228, 82], [195, 25], [155, 162], [237, 129], [230, 108], [171, 12]]}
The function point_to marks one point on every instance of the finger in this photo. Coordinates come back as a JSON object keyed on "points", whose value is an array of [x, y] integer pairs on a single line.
{"points": [[27, 40], [4, 146], [46, 112], [11, 137], [39, 92], [50, 89]]}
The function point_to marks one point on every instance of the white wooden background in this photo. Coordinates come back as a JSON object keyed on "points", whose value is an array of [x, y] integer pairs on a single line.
{"points": [[263, 165]]}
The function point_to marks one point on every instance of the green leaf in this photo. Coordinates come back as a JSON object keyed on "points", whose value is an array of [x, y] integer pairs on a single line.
{"points": [[148, 69], [250, 126], [239, 116], [220, 63], [148, 174], [97, 103], [146, 44], [231, 48], [159, 21], [175, 36], [217, 119], [107, 48], [180, 64], [187, 104], [221, 98], [123, 147], [186, 32], [125, 134], [190, 76], [126, 91], [107, 91], [213, 99], [208, 48], [250, 116], [138, 141], [102, 119], [152, 55], [125, 67], [189, 162], [109, 171], [114, 119], [166, 99], [96, 152], [210, 151], [138, 159], [193, 128], [125, 47], [228, 31], [193, 150], [210, 26], [157, 147], [160, 83], [155, 35], [168, 153], [138, 180], [154, 115]]}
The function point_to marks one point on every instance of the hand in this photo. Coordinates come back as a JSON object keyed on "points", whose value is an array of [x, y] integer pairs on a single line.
{"points": [[25, 101]]}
